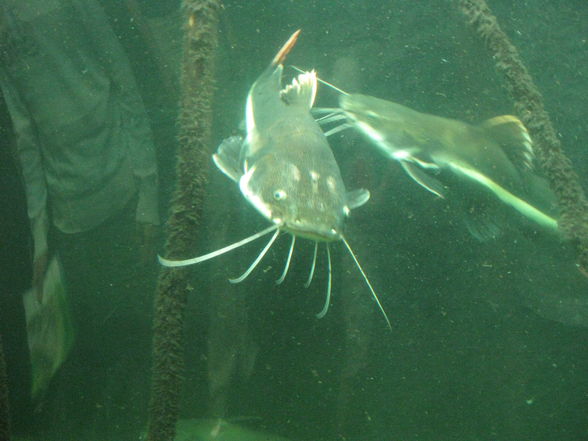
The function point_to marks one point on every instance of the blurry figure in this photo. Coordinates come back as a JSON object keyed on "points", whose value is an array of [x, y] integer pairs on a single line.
{"points": [[87, 157]]}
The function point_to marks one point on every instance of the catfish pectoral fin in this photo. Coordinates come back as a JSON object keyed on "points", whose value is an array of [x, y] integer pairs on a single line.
{"points": [[357, 198], [423, 179], [226, 157]]}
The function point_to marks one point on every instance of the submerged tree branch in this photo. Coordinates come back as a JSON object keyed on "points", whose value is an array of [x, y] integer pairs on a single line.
{"points": [[193, 158], [529, 106]]}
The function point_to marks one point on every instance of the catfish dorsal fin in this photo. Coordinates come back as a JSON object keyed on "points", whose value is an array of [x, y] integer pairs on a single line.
{"points": [[514, 139], [320, 80], [286, 48], [302, 90]]}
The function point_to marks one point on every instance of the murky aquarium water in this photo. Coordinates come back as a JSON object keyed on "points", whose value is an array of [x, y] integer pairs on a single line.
{"points": [[293, 220]]}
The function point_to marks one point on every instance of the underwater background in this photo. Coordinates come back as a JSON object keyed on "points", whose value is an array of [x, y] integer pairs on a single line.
{"points": [[489, 339]]}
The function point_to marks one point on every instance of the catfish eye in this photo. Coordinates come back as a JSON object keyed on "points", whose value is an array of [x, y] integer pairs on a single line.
{"points": [[279, 195]]}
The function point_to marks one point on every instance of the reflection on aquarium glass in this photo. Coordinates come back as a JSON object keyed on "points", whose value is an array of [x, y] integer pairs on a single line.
{"points": [[294, 220]]}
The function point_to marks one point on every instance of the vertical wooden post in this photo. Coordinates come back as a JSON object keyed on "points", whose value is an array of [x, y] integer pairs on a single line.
{"points": [[193, 162], [529, 106]]}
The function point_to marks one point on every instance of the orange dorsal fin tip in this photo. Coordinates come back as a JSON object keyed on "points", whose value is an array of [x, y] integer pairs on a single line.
{"points": [[513, 137], [286, 48]]}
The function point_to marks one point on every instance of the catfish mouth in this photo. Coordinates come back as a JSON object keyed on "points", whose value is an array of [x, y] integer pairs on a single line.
{"points": [[314, 226], [318, 235]]}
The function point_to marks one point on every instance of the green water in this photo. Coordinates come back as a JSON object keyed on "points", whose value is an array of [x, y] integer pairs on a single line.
{"points": [[489, 340]]}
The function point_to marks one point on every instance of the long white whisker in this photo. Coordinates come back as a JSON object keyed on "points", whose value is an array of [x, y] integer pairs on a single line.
{"points": [[287, 266], [331, 117], [310, 276], [328, 299], [319, 110], [256, 261], [367, 282], [194, 260], [337, 129]]}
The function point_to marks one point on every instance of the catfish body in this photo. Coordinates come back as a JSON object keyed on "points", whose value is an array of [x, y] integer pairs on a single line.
{"points": [[284, 166], [493, 159], [286, 170]]}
